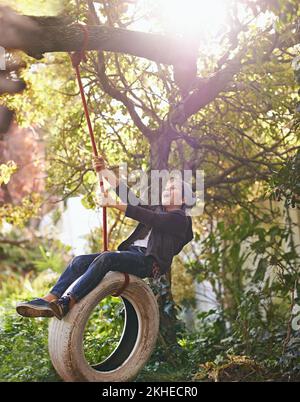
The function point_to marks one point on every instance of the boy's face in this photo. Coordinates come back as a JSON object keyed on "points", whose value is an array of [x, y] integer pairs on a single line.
{"points": [[172, 193]]}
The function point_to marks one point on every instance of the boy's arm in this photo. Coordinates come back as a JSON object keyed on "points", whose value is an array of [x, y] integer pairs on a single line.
{"points": [[120, 187], [171, 222], [126, 194]]}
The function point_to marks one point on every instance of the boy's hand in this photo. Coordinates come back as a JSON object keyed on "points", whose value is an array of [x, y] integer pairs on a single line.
{"points": [[107, 173], [98, 163]]}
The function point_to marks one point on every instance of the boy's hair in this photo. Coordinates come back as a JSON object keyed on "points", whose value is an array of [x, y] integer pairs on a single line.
{"points": [[189, 195]]}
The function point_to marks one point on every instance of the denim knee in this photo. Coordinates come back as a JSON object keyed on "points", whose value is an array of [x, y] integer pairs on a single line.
{"points": [[103, 260], [76, 261]]}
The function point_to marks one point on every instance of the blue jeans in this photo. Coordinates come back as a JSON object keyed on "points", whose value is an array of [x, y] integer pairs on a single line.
{"points": [[93, 267]]}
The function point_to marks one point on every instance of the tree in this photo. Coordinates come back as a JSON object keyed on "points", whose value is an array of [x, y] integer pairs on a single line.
{"points": [[233, 119]]}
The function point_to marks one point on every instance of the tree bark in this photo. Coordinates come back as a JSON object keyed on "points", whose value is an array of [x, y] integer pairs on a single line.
{"points": [[159, 157], [51, 35], [160, 144]]}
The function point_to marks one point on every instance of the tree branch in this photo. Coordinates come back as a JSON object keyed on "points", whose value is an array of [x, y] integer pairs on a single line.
{"points": [[54, 35], [114, 92]]}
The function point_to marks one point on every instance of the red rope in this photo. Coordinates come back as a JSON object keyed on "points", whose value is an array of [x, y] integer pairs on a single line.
{"points": [[123, 287], [77, 58]]}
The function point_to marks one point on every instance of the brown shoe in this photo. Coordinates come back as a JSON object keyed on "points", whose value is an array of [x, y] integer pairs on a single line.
{"points": [[35, 308], [60, 307]]}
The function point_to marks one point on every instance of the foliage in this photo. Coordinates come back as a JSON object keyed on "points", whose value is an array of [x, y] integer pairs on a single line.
{"points": [[52, 257], [246, 252], [247, 142], [104, 329], [183, 287], [6, 170], [17, 215], [239, 132], [253, 267], [250, 349], [23, 252], [239, 368], [24, 350], [216, 352], [285, 184], [24, 344], [34, 7]]}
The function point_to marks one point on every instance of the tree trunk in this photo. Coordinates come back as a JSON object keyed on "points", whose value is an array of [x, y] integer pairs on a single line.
{"points": [[160, 145], [160, 151]]}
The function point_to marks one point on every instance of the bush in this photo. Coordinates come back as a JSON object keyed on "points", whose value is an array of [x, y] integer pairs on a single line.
{"points": [[23, 347]]}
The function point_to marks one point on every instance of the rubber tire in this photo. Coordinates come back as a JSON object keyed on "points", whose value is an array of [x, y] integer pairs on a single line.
{"points": [[136, 344]]}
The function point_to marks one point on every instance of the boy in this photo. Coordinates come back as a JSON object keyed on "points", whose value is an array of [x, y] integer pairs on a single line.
{"points": [[161, 233]]}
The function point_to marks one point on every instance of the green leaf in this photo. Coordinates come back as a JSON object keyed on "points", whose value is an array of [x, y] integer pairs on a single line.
{"points": [[261, 270]]}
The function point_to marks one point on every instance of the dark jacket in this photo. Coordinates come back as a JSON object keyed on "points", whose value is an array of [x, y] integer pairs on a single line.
{"points": [[171, 231]]}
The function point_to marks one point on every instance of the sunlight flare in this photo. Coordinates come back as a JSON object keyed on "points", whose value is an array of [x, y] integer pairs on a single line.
{"points": [[190, 17]]}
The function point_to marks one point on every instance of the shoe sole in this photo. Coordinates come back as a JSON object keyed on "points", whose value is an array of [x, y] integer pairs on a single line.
{"points": [[31, 311], [55, 310]]}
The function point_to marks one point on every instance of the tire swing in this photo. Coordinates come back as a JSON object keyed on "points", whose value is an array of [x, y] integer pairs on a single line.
{"points": [[141, 324], [135, 346]]}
